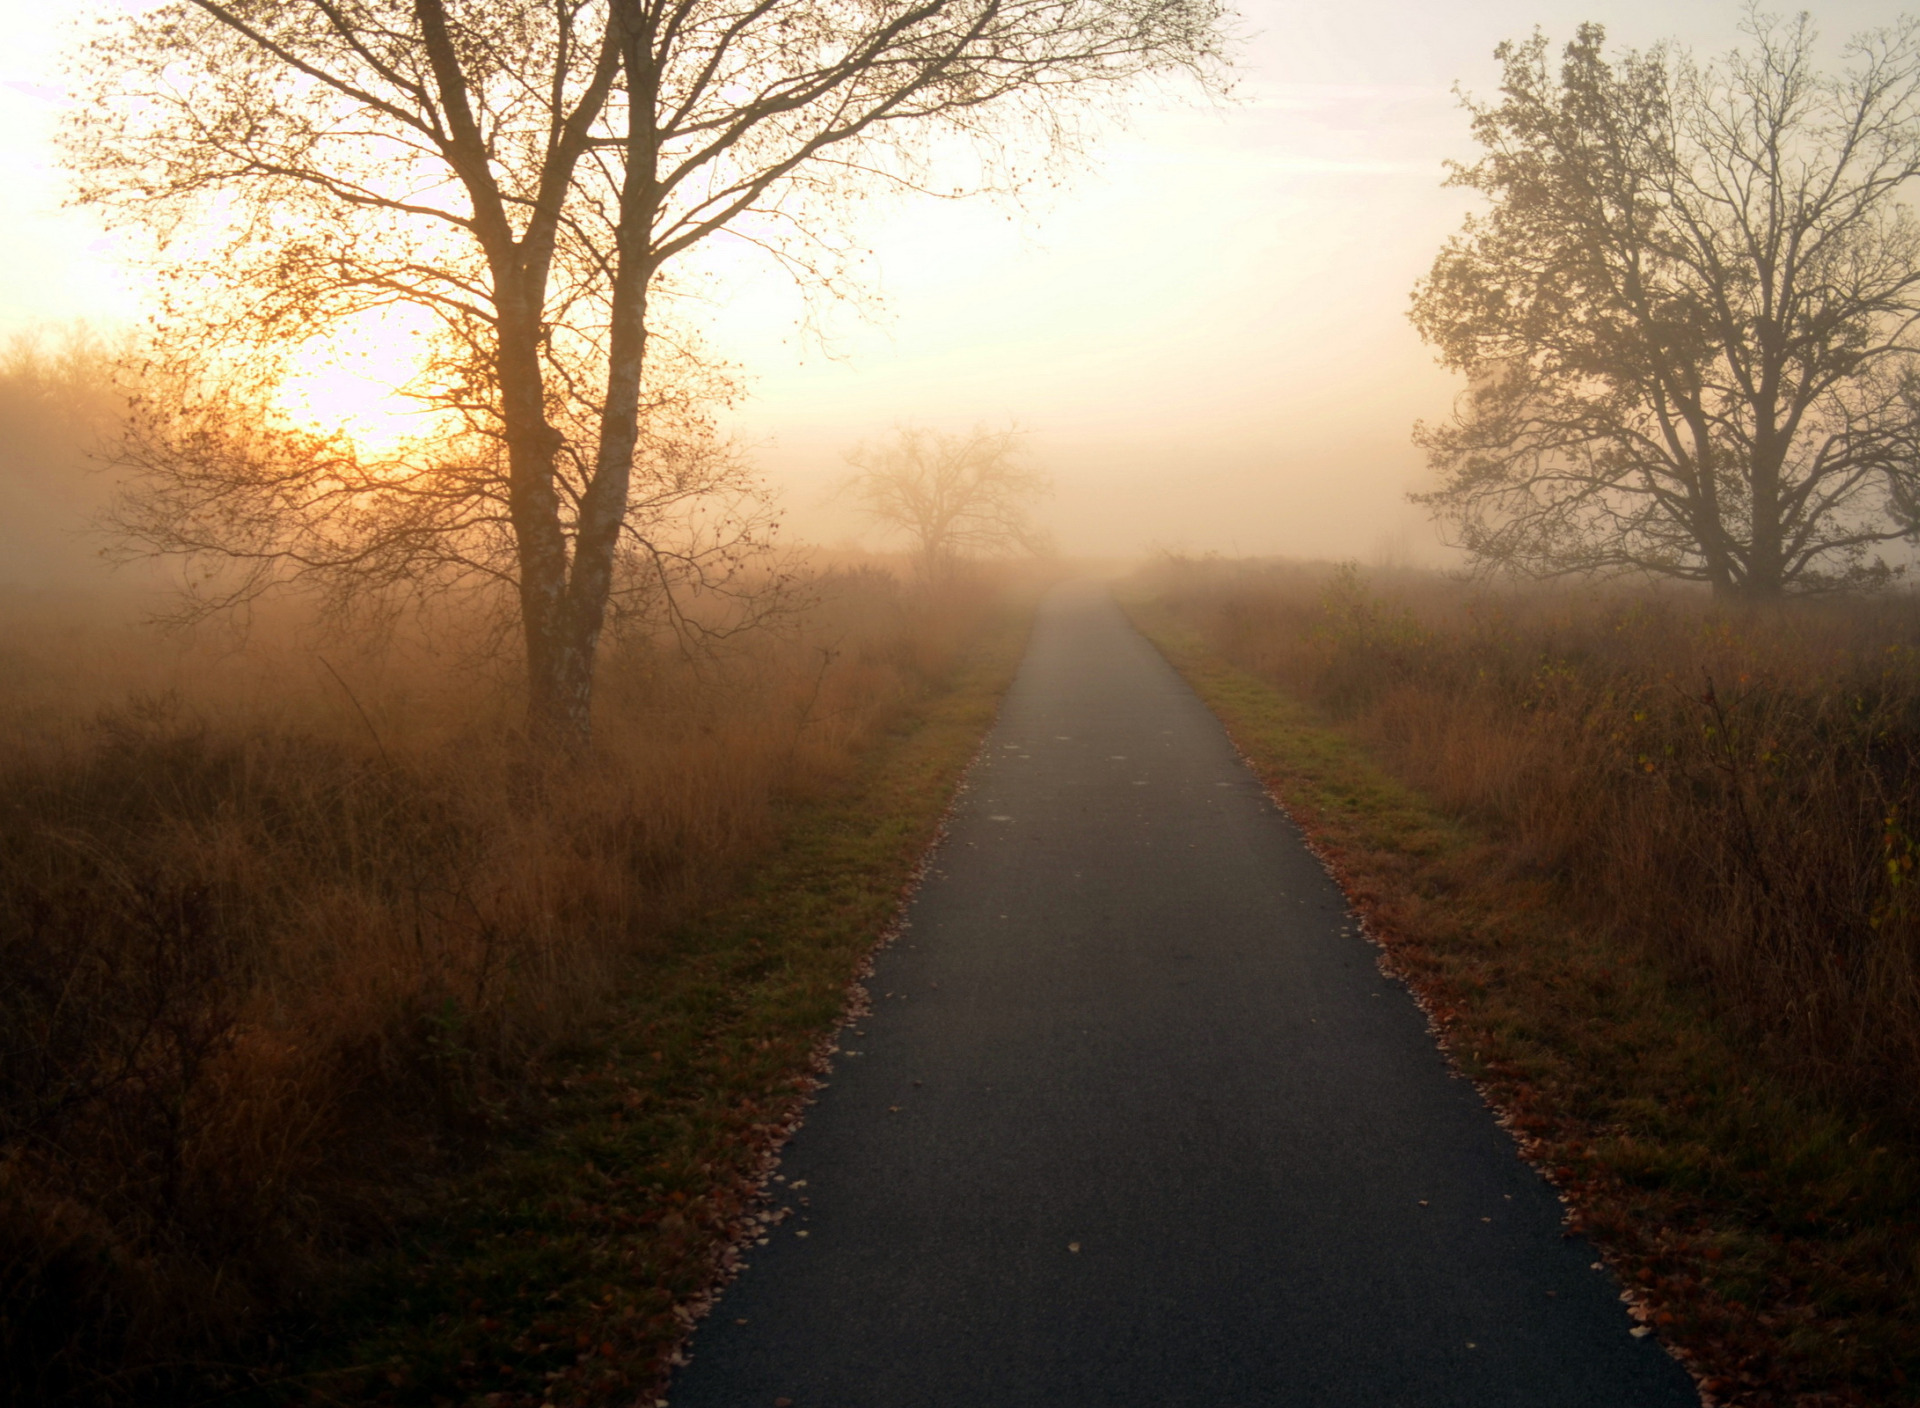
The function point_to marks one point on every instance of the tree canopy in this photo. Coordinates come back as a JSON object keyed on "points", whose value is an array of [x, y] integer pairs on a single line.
{"points": [[528, 172], [953, 496], [1687, 314]]}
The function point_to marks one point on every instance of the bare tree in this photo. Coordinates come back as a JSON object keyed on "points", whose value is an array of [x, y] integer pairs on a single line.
{"points": [[1689, 315], [954, 496], [529, 171], [213, 471]]}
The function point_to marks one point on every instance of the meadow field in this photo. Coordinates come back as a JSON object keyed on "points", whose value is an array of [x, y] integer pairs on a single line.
{"points": [[1650, 861], [296, 930]]}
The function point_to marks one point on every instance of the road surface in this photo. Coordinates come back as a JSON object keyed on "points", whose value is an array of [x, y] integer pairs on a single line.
{"points": [[1136, 1120]]}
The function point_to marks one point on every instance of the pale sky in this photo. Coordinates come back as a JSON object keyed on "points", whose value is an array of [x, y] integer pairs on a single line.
{"points": [[1205, 333]]}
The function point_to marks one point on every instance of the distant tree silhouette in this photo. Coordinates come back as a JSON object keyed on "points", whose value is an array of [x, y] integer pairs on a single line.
{"points": [[60, 404], [954, 496], [527, 171], [1689, 316]]}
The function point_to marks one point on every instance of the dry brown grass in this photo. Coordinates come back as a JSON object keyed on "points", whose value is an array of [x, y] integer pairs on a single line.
{"points": [[1733, 792], [1665, 929], [289, 930]]}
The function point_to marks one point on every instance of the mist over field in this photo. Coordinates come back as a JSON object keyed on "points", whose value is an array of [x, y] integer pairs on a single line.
{"points": [[57, 411], [520, 523], [1204, 326]]}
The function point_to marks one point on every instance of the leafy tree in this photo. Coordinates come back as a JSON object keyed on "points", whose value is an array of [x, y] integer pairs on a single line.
{"points": [[529, 172], [1688, 315], [953, 496]]}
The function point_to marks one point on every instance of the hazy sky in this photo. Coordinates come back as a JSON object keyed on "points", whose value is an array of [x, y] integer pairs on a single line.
{"points": [[1205, 332]]}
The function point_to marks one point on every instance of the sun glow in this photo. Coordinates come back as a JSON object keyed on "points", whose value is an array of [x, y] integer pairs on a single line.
{"points": [[363, 382]]}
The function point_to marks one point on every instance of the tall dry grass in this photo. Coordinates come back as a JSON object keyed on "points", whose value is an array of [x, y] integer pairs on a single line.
{"points": [[287, 929], [1734, 792]]}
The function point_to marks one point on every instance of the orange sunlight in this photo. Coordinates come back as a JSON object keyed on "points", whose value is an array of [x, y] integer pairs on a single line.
{"points": [[356, 382]]}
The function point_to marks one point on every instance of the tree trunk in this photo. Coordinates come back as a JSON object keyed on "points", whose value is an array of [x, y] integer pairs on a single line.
{"points": [[560, 703], [603, 507], [1708, 529], [1766, 567], [554, 687]]}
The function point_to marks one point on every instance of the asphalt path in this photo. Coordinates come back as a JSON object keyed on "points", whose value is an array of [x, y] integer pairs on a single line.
{"points": [[1135, 1120]]}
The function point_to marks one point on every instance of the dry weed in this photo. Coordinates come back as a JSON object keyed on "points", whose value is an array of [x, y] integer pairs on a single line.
{"points": [[287, 932], [1733, 792]]}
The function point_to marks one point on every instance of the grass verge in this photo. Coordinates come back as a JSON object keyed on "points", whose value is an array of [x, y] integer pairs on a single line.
{"points": [[569, 1269], [1767, 1237]]}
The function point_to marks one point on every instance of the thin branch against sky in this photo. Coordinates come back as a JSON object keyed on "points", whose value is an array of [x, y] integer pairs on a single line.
{"points": [[1205, 332]]}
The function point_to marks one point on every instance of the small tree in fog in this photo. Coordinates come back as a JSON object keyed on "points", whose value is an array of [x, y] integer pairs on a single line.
{"points": [[953, 496], [527, 172], [1689, 317]]}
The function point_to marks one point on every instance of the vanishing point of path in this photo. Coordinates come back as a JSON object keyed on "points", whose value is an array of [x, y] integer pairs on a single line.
{"points": [[1136, 1120]]}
